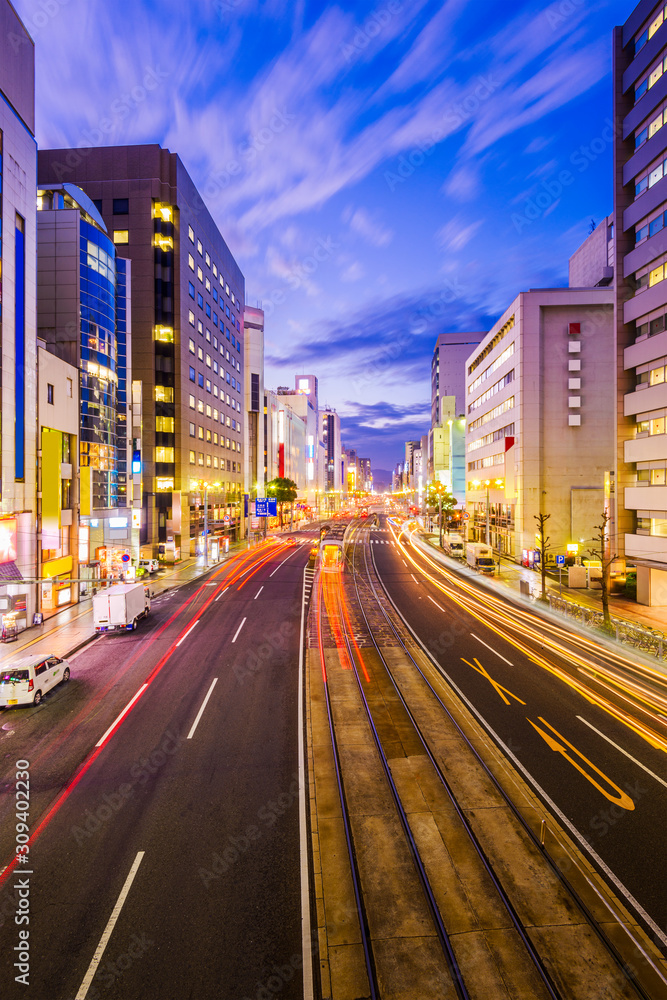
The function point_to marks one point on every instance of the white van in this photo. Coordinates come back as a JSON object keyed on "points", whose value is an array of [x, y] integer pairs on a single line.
{"points": [[27, 681]]}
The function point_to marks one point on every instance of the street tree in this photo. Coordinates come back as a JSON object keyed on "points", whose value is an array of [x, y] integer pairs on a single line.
{"points": [[284, 490], [601, 551], [544, 548], [439, 496]]}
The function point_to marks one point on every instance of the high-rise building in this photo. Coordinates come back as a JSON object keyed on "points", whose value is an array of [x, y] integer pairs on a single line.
{"points": [[540, 432], [640, 211], [255, 448], [187, 336], [448, 369], [18, 335], [330, 436], [82, 318]]}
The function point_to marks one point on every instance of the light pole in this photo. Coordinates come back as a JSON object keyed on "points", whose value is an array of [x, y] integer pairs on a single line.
{"points": [[487, 483], [200, 484]]}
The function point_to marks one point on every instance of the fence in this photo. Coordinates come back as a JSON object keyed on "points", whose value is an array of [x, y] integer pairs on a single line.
{"points": [[641, 637]]}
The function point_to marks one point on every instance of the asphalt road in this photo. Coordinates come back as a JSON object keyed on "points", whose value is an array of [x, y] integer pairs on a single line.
{"points": [[621, 812], [187, 815]]}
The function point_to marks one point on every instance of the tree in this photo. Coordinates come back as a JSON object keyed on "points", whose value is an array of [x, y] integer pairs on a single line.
{"points": [[601, 551], [544, 548], [438, 494], [284, 490], [592, 226]]}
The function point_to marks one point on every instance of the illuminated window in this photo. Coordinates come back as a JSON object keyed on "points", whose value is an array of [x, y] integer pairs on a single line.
{"points": [[656, 275], [191, 345], [192, 458], [200, 327], [161, 211], [208, 461], [165, 243], [200, 353], [191, 234], [191, 318], [164, 394], [215, 461], [215, 437], [215, 271], [657, 376], [208, 260], [199, 247], [200, 405], [192, 402], [215, 413], [208, 410], [164, 424], [657, 426], [208, 285], [199, 274], [191, 427], [208, 436], [201, 458], [164, 334], [200, 433], [208, 360], [163, 454], [121, 236], [191, 262]]}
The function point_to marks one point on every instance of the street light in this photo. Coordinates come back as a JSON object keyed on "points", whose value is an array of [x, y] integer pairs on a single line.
{"points": [[201, 484], [439, 490]]}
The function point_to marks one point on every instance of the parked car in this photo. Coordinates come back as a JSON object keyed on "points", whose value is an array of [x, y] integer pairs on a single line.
{"points": [[28, 680], [149, 565]]}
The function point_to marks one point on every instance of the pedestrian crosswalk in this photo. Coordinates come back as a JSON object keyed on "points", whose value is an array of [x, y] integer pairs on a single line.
{"points": [[381, 541]]}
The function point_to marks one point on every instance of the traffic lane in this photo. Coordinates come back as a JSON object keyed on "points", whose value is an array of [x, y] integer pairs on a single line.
{"points": [[183, 804], [601, 814]]}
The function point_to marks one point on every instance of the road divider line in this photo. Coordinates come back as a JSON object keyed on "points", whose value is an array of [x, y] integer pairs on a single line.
{"points": [[439, 606], [220, 594], [239, 629], [404, 563], [414, 578], [123, 713], [283, 562], [108, 930], [188, 632], [201, 710], [258, 592], [621, 750], [491, 648]]}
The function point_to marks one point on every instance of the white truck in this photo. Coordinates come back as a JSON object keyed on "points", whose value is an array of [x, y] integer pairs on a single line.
{"points": [[453, 546], [120, 607], [480, 557]]}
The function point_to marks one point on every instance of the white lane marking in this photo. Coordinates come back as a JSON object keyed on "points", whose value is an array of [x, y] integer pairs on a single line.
{"points": [[404, 563], [220, 594], [125, 710], [239, 629], [108, 930], [306, 943], [211, 585], [188, 632], [491, 648], [258, 592], [621, 750], [282, 563], [436, 604], [414, 578], [201, 710]]}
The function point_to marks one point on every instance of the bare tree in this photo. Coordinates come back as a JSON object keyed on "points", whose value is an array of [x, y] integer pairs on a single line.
{"points": [[544, 548], [602, 551]]}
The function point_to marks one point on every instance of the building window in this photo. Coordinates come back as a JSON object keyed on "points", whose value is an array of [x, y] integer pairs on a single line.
{"points": [[192, 458], [191, 262], [201, 457], [200, 433], [208, 285], [215, 271], [164, 394], [192, 374], [121, 206], [200, 274], [200, 300], [200, 380], [200, 353], [69, 387], [49, 393], [191, 317], [208, 260], [164, 454], [208, 436], [121, 236], [191, 428], [208, 385], [191, 234], [191, 345], [192, 402], [208, 461], [164, 425], [215, 461], [191, 290], [200, 405], [199, 247], [208, 310], [208, 410]]}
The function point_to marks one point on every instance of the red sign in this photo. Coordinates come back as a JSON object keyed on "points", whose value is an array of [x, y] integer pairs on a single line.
{"points": [[575, 329], [7, 539]]}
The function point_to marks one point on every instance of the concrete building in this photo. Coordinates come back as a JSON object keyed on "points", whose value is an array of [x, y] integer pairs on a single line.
{"points": [[253, 381], [60, 546], [286, 438], [82, 318], [303, 401], [187, 334], [640, 210], [448, 369], [332, 479], [540, 433], [446, 449], [18, 334], [365, 475]]}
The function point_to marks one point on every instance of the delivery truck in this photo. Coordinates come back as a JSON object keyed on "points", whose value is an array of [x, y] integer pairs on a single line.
{"points": [[480, 557], [120, 607], [453, 546]]}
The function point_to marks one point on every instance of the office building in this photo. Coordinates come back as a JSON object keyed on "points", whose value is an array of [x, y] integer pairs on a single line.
{"points": [[187, 337], [640, 210], [82, 319], [253, 381], [448, 369], [332, 459], [18, 334], [540, 412]]}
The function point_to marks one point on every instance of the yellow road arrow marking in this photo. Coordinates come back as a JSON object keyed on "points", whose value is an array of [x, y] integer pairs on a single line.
{"points": [[499, 688], [620, 798]]}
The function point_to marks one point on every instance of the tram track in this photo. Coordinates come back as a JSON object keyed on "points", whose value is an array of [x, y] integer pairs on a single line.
{"points": [[484, 953]]}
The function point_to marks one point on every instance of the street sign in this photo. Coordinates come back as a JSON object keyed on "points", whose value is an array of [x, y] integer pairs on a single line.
{"points": [[560, 560], [125, 557], [465, 515], [273, 507], [536, 556], [226, 518], [261, 506]]}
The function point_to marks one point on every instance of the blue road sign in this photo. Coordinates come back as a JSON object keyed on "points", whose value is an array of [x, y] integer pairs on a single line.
{"points": [[560, 560], [273, 507], [261, 506]]}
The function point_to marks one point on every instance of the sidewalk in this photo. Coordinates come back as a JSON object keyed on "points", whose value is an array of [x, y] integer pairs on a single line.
{"points": [[511, 574], [64, 633]]}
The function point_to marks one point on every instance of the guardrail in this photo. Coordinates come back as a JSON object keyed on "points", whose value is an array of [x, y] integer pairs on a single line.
{"points": [[648, 640]]}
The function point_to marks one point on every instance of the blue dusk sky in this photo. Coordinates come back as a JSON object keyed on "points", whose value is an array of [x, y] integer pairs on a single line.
{"points": [[372, 167]]}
